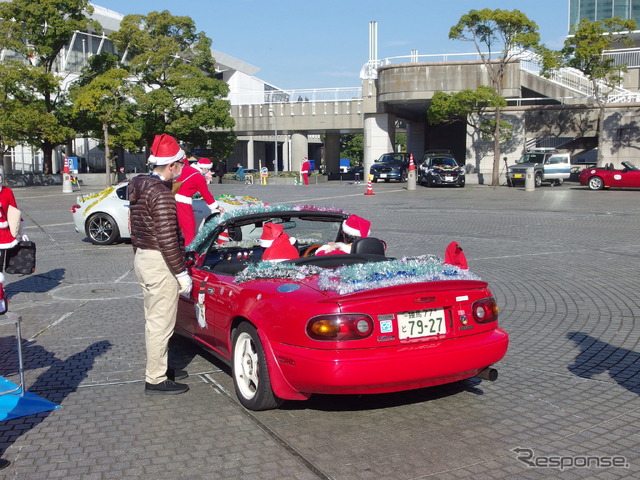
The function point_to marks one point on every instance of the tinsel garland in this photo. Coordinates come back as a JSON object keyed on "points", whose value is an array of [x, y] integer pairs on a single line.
{"points": [[100, 196], [250, 209], [366, 276], [288, 271]]}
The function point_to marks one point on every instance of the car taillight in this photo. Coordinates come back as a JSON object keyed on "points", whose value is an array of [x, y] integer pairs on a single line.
{"points": [[74, 208], [485, 310], [340, 327]]}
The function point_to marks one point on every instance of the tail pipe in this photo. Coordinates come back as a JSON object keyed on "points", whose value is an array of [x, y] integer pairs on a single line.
{"points": [[488, 373]]}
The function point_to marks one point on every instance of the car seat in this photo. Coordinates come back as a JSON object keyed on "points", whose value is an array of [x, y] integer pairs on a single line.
{"points": [[370, 245]]}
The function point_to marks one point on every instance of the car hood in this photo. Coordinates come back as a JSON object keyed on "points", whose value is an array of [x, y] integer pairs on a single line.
{"points": [[387, 164], [524, 165]]}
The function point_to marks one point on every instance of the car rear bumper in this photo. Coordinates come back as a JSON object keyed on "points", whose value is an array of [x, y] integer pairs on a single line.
{"points": [[389, 369]]}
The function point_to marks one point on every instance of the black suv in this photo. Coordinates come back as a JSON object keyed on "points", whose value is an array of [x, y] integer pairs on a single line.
{"points": [[390, 166], [440, 169]]}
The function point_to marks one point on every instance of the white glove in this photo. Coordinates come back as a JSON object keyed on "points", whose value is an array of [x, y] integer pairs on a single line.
{"points": [[25, 238], [215, 208], [185, 282]]}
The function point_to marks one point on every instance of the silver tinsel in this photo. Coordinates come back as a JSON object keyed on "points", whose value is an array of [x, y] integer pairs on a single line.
{"points": [[288, 271]]}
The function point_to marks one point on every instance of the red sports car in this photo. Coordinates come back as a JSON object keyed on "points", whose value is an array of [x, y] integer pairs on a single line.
{"points": [[597, 178], [334, 324]]}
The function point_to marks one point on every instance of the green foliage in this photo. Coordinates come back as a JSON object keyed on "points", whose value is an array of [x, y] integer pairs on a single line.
{"points": [[352, 147], [584, 49], [181, 97], [467, 106], [35, 33], [503, 32]]}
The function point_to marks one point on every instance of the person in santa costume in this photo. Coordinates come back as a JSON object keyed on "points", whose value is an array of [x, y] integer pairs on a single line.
{"points": [[10, 221], [304, 170], [278, 245], [353, 227], [204, 165], [191, 181]]}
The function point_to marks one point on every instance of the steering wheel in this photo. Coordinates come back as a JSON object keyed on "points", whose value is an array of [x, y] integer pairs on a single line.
{"points": [[310, 251]]}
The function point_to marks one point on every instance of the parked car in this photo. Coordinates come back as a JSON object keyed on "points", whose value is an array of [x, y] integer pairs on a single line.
{"points": [[547, 166], [104, 216], [440, 170], [597, 178], [390, 166], [352, 323]]}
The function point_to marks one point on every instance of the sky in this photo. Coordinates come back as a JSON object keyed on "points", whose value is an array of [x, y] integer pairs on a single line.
{"points": [[298, 44]]}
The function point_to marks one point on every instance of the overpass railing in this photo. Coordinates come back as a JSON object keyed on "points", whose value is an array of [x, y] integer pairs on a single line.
{"points": [[315, 95]]}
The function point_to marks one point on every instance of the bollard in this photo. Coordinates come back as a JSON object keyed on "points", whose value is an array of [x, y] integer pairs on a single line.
{"points": [[529, 181], [66, 178], [411, 174]]}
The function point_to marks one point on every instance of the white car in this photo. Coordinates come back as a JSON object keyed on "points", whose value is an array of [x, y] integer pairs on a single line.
{"points": [[104, 216]]}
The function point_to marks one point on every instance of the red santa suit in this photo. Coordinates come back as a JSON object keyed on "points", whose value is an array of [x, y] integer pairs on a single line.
{"points": [[7, 240], [192, 182], [304, 170]]}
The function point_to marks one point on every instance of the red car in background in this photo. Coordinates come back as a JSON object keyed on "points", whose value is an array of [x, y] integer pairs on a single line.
{"points": [[333, 324], [597, 178]]}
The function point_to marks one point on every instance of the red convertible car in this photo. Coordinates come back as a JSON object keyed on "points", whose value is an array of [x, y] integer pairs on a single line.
{"points": [[352, 323], [597, 178]]}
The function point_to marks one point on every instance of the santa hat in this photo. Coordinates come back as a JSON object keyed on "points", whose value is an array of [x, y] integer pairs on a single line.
{"points": [[205, 164], [281, 249], [165, 150], [356, 226], [270, 231], [454, 255]]}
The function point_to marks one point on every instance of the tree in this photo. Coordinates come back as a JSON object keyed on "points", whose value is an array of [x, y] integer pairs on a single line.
{"points": [[107, 98], [584, 50], [505, 33], [352, 147], [181, 94], [36, 32]]}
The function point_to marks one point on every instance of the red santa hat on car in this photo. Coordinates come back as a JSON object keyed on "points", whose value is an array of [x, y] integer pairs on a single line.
{"points": [[281, 249], [165, 150], [356, 226], [272, 231]]}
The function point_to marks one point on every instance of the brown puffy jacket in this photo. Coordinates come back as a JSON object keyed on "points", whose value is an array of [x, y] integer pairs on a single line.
{"points": [[154, 224]]}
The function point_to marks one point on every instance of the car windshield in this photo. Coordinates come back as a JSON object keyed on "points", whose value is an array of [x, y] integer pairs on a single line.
{"points": [[445, 161], [531, 158], [391, 157], [630, 166]]}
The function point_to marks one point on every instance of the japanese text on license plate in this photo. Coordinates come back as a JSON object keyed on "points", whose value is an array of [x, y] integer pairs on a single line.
{"points": [[423, 323]]}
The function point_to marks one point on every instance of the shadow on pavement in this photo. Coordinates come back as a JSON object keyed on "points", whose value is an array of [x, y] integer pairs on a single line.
{"points": [[55, 384], [597, 357]]}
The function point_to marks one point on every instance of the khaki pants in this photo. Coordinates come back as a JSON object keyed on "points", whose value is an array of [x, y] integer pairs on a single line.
{"points": [[160, 289]]}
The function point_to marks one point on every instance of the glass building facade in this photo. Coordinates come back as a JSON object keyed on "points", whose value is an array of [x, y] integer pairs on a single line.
{"points": [[601, 9]]}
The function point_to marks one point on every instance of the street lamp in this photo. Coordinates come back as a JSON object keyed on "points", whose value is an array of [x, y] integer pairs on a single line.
{"points": [[275, 119]]}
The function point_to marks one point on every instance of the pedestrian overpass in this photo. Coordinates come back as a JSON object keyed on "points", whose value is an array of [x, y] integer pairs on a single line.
{"points": [[400, 92]]}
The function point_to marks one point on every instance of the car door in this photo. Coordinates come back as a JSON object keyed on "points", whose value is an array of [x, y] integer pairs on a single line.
{"points": [[628, 178]]}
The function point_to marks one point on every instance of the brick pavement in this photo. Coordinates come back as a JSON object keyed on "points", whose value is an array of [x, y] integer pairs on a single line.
{"points": [[562, 263]]}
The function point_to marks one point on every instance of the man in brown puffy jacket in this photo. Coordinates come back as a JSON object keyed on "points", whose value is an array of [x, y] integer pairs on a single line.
{"points": [[159, 261]]}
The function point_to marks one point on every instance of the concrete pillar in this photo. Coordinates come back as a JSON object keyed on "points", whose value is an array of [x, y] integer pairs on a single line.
{"points": [[416, 140], [250, 154], [331, 153], [286, 154], [379, 133], [299, 150]]}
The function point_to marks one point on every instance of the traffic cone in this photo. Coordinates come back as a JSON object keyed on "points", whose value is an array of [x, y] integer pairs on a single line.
{"points": [[411, 174], [369, 188], [223, 237], [67, 187]]}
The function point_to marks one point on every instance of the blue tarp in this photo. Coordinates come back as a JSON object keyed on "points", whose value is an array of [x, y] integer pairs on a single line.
{"points": [[14, 405]]}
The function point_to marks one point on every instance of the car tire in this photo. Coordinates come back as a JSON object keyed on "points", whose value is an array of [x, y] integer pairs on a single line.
{"points": [[461, 184], [101, 229], [595, 183], [429, 182], [538, 180], [405, 177], [250, 372], [559, 182]]}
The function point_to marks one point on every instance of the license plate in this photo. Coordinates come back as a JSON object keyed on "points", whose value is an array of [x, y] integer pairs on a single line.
{"points": [[448, 178], [383, 175], [518, 175], [423, 323]]}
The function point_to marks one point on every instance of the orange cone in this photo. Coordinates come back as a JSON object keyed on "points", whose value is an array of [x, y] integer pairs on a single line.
{"points": [[66, 166], [412, 166], [369, 188]]}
